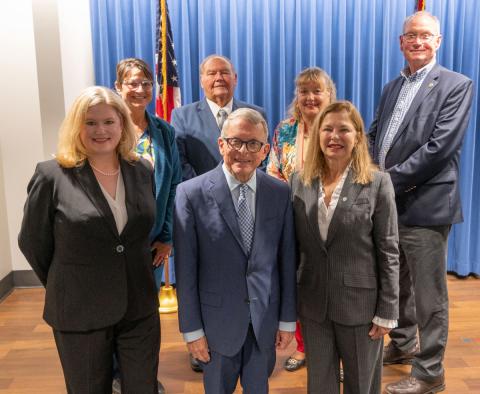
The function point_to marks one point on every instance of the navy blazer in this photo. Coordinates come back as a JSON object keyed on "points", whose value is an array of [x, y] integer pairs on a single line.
{"points": [[220, 288], [197, 134], [424, 157], [94, 276]]}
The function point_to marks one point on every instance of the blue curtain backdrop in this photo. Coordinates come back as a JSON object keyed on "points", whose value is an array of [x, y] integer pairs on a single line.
{"points": [[270, 41]]}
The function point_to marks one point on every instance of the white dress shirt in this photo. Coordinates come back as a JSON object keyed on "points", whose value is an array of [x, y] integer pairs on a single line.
{"points": [[215, 108]]}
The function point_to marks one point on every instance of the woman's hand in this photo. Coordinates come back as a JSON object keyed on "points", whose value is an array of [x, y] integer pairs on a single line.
{"points": [[377, 332], [161, 252]]}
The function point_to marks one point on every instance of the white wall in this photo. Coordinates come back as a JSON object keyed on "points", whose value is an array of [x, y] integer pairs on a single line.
{"points": [[46, 61], [76, 48]]}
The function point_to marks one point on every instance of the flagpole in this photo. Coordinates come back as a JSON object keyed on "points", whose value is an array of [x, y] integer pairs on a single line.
{"points": [[163, 12]]}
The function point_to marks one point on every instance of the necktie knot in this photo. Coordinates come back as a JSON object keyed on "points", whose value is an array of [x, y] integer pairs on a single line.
{"points": [[243, 190], [221, 117]]}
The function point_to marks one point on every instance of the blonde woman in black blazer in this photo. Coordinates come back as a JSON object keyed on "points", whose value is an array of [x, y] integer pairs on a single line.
{"points": [[346, 226], [85, 232]]}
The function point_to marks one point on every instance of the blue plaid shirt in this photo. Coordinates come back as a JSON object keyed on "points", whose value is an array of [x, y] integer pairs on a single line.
{"points": [[411, 85]]}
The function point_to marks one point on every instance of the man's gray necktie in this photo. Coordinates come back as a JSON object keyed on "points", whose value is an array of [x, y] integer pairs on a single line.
{"points": [[245, 218], [221, 117]]}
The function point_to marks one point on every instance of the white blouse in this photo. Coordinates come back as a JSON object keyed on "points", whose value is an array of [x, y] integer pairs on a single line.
{"points": [[325, 213], [117, 204]]}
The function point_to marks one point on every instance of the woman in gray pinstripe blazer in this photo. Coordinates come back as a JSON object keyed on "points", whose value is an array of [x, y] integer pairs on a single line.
{"points": [[346, 225]]}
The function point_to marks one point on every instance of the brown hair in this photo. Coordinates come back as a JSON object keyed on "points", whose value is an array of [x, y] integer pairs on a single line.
{"points": [[71, 151], [315, 162], [124, 66], [315, 75]]}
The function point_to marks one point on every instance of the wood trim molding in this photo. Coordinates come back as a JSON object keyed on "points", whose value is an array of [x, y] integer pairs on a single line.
{"points": [[6, 286], [25, 278], [20, 278]]}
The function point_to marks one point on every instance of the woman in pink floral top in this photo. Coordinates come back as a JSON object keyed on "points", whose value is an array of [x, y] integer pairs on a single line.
{"points": [[314, 91]]}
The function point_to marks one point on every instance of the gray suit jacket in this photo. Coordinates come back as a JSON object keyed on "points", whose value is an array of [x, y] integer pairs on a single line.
{"points": [[197, 132], [353, 275], [93, 275], [424, 157]]}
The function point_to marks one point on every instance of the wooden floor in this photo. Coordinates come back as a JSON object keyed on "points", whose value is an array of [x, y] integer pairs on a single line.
{"points": [[29, 361]]}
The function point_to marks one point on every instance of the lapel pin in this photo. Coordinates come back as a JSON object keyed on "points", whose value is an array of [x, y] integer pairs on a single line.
{"points": [[430, 85], [344, 199]]}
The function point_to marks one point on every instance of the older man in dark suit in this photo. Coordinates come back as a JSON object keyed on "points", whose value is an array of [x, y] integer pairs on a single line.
{"points": [[198, 125], [235, 260], [417, 136]]}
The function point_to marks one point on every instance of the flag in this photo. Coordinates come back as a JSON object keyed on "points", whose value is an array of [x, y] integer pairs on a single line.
{"points": [[168, 90], [421, 5]]}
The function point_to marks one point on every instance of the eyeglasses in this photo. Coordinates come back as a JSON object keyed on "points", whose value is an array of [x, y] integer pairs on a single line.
{"points": [[253, 146], [134, 85], [423, 37]]}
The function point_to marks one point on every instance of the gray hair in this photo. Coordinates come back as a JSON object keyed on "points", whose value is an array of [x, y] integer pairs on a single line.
{"points": [[250, 115], [215, 56], [435, 20]]}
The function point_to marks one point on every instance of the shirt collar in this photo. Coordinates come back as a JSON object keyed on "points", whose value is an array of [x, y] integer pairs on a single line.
{"points": [[234, 183], [419, 74], [215, 108]]}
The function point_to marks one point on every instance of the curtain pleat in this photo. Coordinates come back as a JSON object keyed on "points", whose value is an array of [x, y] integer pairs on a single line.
{"points": [[270, 41]]}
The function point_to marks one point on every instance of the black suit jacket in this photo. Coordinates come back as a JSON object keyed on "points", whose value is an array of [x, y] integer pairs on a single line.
{"points": [[93, 276], [424, 157]]}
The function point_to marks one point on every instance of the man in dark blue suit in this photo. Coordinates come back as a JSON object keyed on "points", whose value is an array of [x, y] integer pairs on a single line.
{"points": [[417, 136], [235, 261], [197, 125]]}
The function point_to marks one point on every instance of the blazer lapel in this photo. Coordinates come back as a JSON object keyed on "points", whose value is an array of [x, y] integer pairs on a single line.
{"points": [[264, 210], [235, 105], [131, 182], [208, 131], [347, 197], [90, 185], [223, 197], [387, 112], [311, 206], [428, 85], [205, 113]]}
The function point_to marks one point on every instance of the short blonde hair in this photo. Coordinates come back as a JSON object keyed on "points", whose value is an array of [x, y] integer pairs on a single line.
{"points": [[315, 75], [315, 163], [71, 152]]}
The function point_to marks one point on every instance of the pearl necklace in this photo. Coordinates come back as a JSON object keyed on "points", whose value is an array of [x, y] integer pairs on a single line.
{"points": [[104, 172]]}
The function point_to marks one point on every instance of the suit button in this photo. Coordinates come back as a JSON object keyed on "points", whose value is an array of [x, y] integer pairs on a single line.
{"points": [[120, 248], [247, 301]]}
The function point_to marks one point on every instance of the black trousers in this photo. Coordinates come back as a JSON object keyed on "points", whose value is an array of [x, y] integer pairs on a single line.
{"points": [[86, 357]]}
